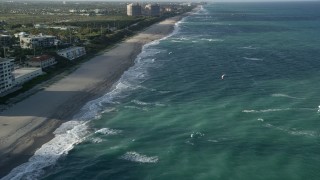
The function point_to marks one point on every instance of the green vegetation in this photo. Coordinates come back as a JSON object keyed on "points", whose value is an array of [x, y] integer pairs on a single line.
{"points": [[96, 33]]}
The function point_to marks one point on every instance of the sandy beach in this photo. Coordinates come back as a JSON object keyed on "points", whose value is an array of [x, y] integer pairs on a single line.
{"points": [[27, 125]]}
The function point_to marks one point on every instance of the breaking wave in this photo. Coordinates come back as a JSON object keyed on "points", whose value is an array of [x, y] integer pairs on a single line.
{"points": [[108, 131], [136, 157]]}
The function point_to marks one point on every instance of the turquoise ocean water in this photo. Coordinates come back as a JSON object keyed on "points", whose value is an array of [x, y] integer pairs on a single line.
{"points": [[172, 116]]}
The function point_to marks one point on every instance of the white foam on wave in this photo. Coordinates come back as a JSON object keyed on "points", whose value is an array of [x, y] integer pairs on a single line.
{"points": [[294, 132], [66, 137], [136, 157], [108, 131], [252, 59], [212, 40], [196, 135], [277, 110], [260, 119], [96, 140], [265, 110], [249, 47], [286, 96], [73, 132], [142, 103]]}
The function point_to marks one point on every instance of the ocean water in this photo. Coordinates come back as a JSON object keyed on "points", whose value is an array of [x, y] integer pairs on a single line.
{"points": [[173, 116]]}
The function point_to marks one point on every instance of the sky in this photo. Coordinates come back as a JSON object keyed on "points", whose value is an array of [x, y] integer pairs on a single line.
{"points": [[170, 0]]}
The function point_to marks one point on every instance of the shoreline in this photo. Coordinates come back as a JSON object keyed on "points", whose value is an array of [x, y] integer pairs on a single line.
{"points": [[24, 129]]}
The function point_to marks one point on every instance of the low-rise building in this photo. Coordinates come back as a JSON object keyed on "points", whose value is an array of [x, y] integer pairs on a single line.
{"points": [[30, 42], [72, 53], [23, 75], [5, 40], [6, 75], [42, 61], [134, 10]]}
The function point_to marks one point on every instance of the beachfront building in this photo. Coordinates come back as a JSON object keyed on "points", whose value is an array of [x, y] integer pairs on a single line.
{"points": [[134, 9], [72, 53], [153, 9], [40, 40], [5, 40], [42, 61], [20, 34], [23, 75], [6, 75]]}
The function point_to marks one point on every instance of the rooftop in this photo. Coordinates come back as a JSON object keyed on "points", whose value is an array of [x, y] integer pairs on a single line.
{"points": [[40, 36], [41, 58], [5, 59], [23, 71], [69, 49]]}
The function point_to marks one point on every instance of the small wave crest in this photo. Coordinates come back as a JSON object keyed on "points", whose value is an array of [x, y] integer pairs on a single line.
{"points": [[136, 157], [194, 137], [212, 40], [293, 131], [96, 140], [108, 131], [277, 110], [141, 103], [252, 59], [248, 47], [285, 96]]}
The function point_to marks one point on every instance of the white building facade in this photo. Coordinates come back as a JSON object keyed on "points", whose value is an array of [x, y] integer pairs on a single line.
{"points": [[134, 10], [72, 52], [6, 75], [37, 41], [43, 61]]}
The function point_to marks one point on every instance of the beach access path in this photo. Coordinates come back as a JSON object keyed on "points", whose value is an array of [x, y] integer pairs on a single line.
{"points": [[28, 124]]}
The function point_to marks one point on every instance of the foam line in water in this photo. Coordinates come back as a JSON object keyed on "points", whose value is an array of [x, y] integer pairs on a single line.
{"points": [[285, 96], [277, 110], [252, 59], [249, 47], [141, 103], [73, 132], [136, 157], [293, 131]]}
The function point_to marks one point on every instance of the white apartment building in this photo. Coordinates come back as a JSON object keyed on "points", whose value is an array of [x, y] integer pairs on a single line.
{"points": [[153, 9], [23, 75], [37, 41], [72, 52], [42, 61], [6, 75], [134, 10]]}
